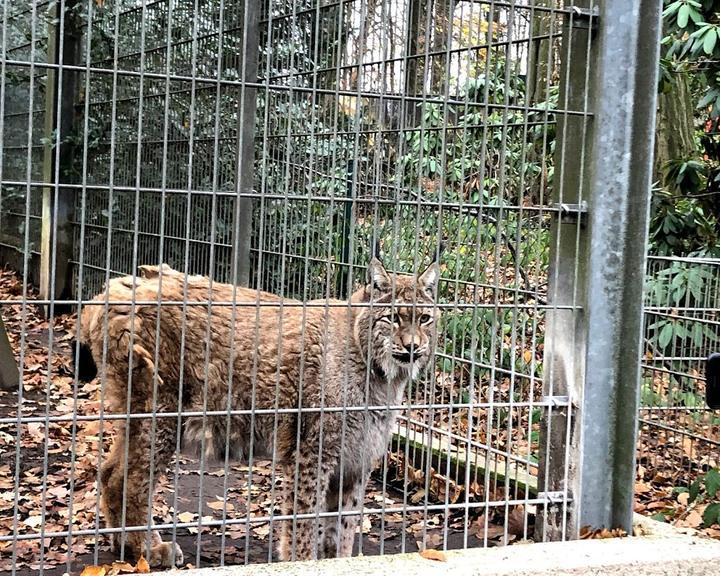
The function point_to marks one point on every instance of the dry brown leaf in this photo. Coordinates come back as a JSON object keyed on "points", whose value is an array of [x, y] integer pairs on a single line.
{"points": [[121, 568], [692, 520], [688, 445], [642, 488], [142, 566], [218, 505], [589, 533], [186, 516], [437, 555], [94, 571]]}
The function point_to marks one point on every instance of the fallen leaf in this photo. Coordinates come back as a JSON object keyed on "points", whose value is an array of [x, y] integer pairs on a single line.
{"points": [[220, 505], [94, 571], [186, 516], [436, 555], [692, 520], [142, 566], [33, 521], [589, 533], [121, 567], [642, 488]]}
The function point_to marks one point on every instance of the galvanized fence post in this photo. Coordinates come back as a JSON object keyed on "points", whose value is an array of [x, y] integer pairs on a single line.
{"points": [[565, 321], [628, 45], [245, 173]]}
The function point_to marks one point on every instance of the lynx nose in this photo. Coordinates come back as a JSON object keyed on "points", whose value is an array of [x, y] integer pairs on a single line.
{"points": [[411, 344]]}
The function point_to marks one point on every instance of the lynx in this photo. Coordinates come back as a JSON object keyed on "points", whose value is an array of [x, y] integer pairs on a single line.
{"points": [[301, 359]]}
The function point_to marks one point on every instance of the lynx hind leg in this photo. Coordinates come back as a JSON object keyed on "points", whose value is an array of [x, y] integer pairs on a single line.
{"points": [[111, 477]]}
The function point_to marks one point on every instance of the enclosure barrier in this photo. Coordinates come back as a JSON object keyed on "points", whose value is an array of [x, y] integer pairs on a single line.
{"points": [[682, 328], [273, 145]]}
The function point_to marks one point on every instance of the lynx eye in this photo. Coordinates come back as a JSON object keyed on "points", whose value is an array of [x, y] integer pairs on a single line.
{"points": [[391, 319], [425, 319]]}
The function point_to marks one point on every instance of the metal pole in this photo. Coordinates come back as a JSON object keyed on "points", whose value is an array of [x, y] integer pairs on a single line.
{"points": [[55, 272], [245, 174], [628, 44], [564, 321]]}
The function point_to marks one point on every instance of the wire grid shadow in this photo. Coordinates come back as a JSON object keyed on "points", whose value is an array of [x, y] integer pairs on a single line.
{"points": [[682, 328], [137, 133]]}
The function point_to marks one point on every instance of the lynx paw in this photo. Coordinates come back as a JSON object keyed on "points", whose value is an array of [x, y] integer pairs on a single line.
{"points": [[161, 555]]}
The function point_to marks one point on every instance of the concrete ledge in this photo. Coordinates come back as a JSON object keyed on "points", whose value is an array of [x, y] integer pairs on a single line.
{"points": [[651, 555]]}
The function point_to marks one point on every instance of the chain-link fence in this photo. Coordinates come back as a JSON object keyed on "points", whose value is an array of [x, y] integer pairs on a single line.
{"points": [[278, 146]]}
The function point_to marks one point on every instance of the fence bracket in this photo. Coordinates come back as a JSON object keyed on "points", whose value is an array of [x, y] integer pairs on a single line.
{"points": [[572, 213], [553, 497], [556, 401], [585, 18]]}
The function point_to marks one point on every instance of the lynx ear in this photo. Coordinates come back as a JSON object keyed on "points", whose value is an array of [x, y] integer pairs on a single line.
{"points": [[428, 280], [378, 278]]}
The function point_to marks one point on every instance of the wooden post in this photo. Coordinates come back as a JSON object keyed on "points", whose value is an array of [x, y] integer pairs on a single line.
{"points": [[58, 202], [9, 374]]}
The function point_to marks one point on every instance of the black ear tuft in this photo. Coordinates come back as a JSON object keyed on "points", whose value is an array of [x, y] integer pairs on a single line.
{"points": [[86, 367], [438, 251], [376, 249]]}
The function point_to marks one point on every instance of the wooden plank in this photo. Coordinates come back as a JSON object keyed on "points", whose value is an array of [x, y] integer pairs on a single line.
{"points": [[444, 451]]}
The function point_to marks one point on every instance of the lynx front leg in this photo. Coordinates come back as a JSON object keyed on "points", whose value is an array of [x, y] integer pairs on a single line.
{"points": [[339, 531], [306, 494], [140, 444]]}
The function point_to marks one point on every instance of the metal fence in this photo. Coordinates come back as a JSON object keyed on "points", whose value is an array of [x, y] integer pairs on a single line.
{"points": [[273, 145], [682, 328]]}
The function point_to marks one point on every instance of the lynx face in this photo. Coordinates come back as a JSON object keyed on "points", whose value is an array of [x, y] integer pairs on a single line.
{"points": [[400, 326]]}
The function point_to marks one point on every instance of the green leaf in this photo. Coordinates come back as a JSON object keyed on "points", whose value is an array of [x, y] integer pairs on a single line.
{"points": [[710, 516], [709, 43], [696, 16], [683, 15], [694, 490], [671, 9], [659, 517], [712, 482], [665, 336]]}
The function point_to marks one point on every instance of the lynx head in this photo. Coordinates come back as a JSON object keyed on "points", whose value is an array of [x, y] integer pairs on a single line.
{"points": [[397, 331]]}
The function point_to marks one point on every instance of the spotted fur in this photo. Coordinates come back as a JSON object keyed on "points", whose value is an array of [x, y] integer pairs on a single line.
{"points": [[283, 355]]}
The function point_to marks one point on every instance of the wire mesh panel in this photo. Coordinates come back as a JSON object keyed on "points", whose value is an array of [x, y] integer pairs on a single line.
{"points": [[158, 133], [682, 329], [25, 131], [346, 141]]}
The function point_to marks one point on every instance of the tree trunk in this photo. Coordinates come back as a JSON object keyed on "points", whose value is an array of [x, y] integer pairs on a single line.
{"points": [[540, 48], [674, 126], [439, 46]]}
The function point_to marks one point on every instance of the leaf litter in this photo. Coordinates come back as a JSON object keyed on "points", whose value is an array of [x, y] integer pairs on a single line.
{"points": [[62, 494]]}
